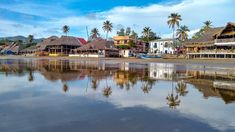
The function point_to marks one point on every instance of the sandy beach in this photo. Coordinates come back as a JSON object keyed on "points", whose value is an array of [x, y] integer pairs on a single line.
{"points": [[156, 60]]}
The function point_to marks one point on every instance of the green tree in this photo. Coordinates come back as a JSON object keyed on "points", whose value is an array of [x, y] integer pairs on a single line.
{"points": [[207, 25], [107, 27], [182, 33], [121, 32], [65, 29], [173, 21], [30, 39], [146, 33], [128, 31], [94, 33]]}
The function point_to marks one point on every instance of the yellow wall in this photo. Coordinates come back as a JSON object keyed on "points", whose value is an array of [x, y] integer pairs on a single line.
{"points": [[121, 40]]}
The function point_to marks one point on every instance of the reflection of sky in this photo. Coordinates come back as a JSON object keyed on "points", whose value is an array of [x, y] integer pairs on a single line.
{"points": [[18, 92]]}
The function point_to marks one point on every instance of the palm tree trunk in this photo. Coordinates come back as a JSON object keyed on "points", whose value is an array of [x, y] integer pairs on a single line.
{"points": [[107, 35]]}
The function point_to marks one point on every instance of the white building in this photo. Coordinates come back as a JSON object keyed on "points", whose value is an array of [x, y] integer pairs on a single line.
{"points": [[161, 46]]}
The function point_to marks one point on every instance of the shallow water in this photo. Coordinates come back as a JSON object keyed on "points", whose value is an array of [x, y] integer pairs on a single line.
{"points": [[98, 96]]}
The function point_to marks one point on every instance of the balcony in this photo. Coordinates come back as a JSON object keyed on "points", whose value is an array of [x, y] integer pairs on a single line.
{"points": [[227, 41]]}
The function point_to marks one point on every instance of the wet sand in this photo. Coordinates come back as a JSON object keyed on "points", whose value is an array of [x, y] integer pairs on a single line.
{"points": [[157, 60]]}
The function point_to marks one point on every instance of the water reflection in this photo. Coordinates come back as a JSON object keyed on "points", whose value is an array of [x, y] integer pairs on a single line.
{"points": [[181, 88], [152, 85]]}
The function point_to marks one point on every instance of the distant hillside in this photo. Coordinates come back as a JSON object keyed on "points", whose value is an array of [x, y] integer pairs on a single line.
{"points": [[24, 39]]}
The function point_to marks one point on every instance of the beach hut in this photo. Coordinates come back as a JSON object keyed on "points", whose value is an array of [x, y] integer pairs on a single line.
{"points": [[55, 46], [97, 48]]}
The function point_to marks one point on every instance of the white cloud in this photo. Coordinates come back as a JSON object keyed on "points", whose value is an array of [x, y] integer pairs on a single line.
{"points": [[193, 12]]}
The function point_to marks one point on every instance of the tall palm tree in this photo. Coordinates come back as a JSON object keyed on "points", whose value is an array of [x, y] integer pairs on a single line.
{"points": [[65, 29], [94, 33], [30, 39], [182, 33], [208, 24], [107, 27], [174, 20], [146, 32]]}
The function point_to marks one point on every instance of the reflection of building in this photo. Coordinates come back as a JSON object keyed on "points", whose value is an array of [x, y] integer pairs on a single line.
{"points": [[214, 84], [162, 71]]}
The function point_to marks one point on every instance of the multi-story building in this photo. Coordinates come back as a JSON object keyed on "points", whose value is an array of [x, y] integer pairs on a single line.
{"points": [[216, 42], [161, 46]]}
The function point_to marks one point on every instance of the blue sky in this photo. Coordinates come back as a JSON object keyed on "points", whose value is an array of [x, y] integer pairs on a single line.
{"points": [[44, 18]]}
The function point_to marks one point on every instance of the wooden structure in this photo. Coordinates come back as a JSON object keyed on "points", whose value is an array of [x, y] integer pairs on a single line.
{"points": [[97, 48], [60, 46], [214, 43]]}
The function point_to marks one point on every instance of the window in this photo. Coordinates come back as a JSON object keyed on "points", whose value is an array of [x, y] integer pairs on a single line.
{"points": [[155, 45], [118, 42], [125, 41]]}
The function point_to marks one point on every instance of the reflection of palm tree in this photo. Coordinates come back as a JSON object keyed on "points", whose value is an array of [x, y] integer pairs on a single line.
{"points": [[30, 78], [181, 88], [107, 90], [145, 87], [94, 84], [173, 101], [65, 88]]}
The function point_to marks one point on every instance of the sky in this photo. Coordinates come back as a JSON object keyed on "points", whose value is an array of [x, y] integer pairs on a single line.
{"points": [[44, 18]]}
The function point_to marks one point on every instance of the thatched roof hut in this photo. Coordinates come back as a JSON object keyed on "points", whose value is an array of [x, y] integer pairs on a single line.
{"points": [[99, 44], [62, 45], [13, 48], [206, 40]]}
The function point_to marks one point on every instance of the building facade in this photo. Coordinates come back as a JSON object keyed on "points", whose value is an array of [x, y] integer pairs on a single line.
{"points": [[214, 43], [161, 46], [122, 40]]}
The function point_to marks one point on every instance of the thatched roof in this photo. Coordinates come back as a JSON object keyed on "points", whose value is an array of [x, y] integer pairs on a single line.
{"points": [[98, 45], [207, 39], [63, 40], [47, 41], [229, 24], [29, 49], [12, 47]]}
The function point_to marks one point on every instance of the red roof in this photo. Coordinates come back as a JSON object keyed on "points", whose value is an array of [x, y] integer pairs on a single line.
{"points": [[82, 40]]}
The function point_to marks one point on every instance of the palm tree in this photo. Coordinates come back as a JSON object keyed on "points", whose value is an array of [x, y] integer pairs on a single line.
{"points": [[182, 33], [146, 32], [30, 39], [65, 29], [94, 33], [207, 24], [181, 88], [174, 20], [107, 26]]}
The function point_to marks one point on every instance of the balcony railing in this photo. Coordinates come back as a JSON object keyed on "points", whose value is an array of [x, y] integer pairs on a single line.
{"points": [[225, 40], [214, 51]]}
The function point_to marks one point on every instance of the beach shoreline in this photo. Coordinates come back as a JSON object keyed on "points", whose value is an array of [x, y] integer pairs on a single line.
{"points": [[135, 60]]}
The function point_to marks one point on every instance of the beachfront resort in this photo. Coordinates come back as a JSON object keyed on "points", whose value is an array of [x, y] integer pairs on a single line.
{"points": [[208, 42]]}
